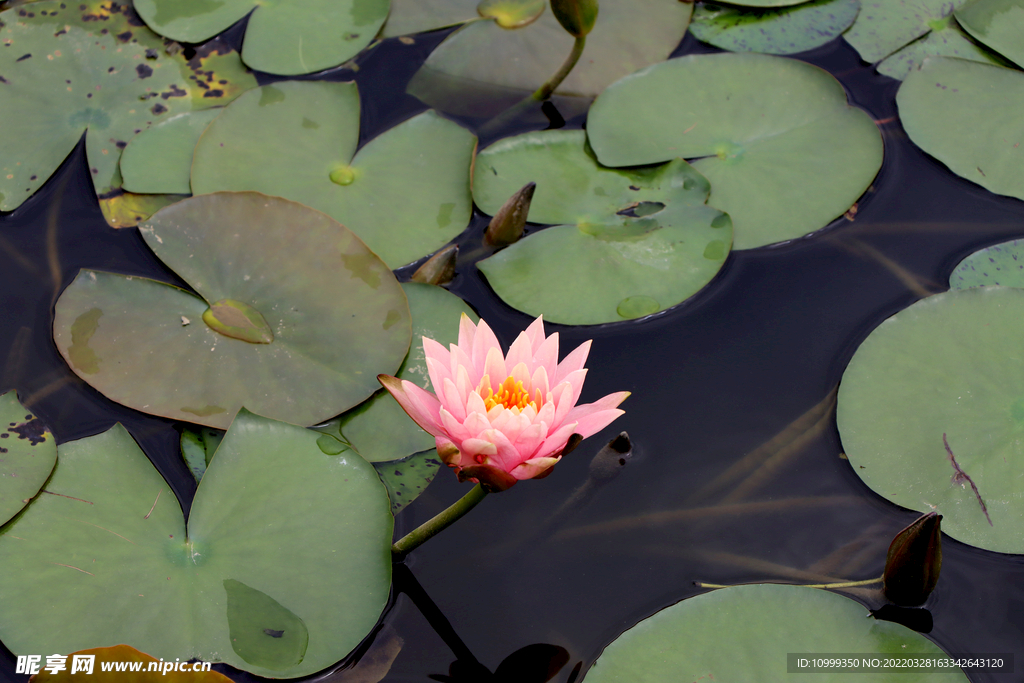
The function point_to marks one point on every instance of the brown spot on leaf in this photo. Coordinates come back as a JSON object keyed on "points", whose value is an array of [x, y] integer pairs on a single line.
{"points": [[33, 430], [143, 70], [158, 109], [175, 91]]}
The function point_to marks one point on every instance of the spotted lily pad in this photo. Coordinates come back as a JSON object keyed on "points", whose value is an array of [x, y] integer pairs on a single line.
{"points": [[406, 479], [27, 455], [931, 413], [637, 240], [283, 37], [998, 24], [405, 193], [998, 265], [217, 74], [159, 160], [283, 568], [776, 31], [946, 39], [483, 58], [939, 107], [69, 68], [337, 315], [744, 633], [884, 26], [784, 152], [379, 430]]}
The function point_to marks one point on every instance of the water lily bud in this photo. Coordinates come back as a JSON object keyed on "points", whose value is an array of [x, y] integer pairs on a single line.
{"points": [[576, 16], [913, 562], [507, 225], [439, 269]]}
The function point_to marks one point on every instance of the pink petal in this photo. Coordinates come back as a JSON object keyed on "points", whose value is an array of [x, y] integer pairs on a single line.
{"points": [[530, 439], [460, 359], [594, 422], [437, 373], [574, 361], [475, 404], [603, 403], [563, 402], [546, 413], [467, 332], [464, 384], [535, 333], [519, 352], [439, 354], [476, 424], [494, 367], [533, 467], [450, 400], [506, 457], [521, 373], [474, 447], [422, 406], [546, 355], [447, 451], [483, 342], [454, 429], [556, 441], [539, 382]]}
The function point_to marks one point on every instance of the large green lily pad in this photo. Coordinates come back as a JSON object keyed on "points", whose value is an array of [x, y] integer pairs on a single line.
{"points": [[282, 37], [998, 24], [947, 369], [946, 39], [483, 58], [998, 265], [334, 313], [784, 152], [775, 31], [405, 193], [159, 160], [69, 68], [884, 26], [638, 240], [939, 107], [27, 455], [283, 568], [744, 633], [379, 430]]}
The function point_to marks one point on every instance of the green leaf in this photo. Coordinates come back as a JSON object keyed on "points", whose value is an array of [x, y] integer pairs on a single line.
{"points": [[944, 41], [406, 479], [379, 430], [1000, 264], [337, 314], [159, 160], [939, 107], [278, 534], [27, 455], [217, 74], [282, 36], [511, 13], [193, 452], [474, 62], [577, 17], [784, 152], [405, 193], [884, 26], [776, 31], [998, 24], [948, 366], [743, 633], [62, 75], [417, 16], [238, 320]]}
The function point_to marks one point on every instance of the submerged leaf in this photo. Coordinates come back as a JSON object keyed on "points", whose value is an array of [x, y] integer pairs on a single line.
{"points": [[775, 31], [511, 13]]}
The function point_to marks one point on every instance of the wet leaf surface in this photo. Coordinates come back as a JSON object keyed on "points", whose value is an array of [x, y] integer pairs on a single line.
{"points": [[336, 313], [112, 551], [784, 152], [946, 367], [775, 31], [27, 455], [405, 193]]}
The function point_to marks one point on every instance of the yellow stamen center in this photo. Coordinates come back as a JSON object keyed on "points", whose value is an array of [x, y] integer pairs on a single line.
{"points": [[511, 395]]}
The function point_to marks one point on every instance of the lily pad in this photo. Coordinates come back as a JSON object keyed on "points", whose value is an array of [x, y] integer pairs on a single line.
{"points": [[126, 209], [217, 74], [884, 26], [27, 455], [379, 430], [945, 371], [159, 160], [284, 37], [73, 68], [278, 534], [336, 313], [939, 107], [775, 31], [784, 152], [946, 40], [998, 24], [406, 479], [405, 193], [483, 57], [743, 633], [998, 265]]}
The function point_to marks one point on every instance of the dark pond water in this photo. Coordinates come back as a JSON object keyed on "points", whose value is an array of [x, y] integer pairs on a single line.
{"points": [[712, 380]]}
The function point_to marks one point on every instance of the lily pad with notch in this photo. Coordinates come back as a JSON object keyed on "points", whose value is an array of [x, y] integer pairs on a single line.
{"points": [[784, 151], [772, 30], [635, 241], [295, 328], [1000, 265], [159, 160], [472, 65], [283, 567], [27, 455], [946, 39], [286, 37], [931, 413], [737, 633], [405, 193], [938, 107], [407, 478], [999, 24]]}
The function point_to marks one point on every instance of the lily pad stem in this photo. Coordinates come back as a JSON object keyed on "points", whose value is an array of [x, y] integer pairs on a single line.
{"points": [[437, 524], [841, 584], [542, 93]]}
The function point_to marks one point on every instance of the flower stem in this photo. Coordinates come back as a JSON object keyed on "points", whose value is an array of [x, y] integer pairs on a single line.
{"points": [[437, 524]]}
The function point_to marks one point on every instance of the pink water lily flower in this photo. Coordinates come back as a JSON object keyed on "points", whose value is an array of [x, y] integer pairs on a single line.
{"points": [[498, 419]]}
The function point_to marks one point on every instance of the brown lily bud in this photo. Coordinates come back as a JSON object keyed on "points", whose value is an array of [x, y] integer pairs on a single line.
{"points": [[507, 225], [913, 562], [576, 16], [439, 269]]}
